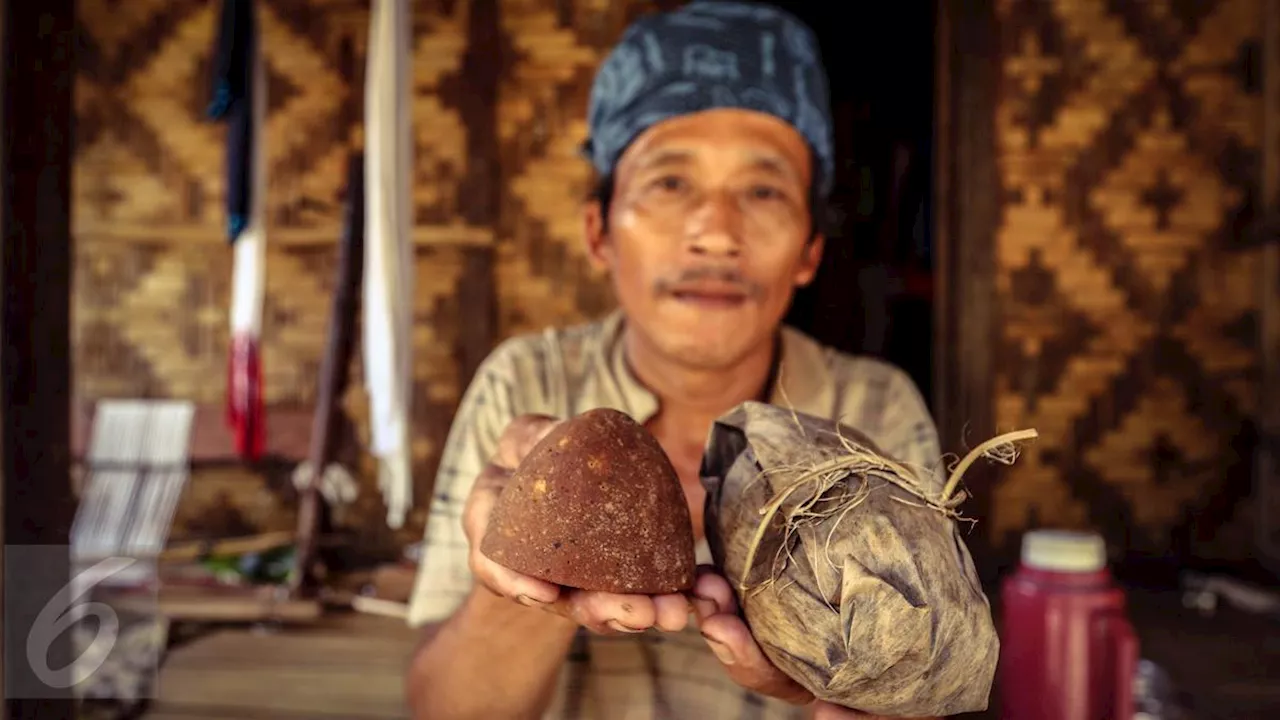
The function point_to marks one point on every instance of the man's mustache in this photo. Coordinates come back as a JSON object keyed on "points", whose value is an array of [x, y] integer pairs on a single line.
{"points": [[722, 278]]}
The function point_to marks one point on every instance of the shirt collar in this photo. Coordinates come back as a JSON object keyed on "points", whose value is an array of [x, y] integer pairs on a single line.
{"points": [[802, 381]]}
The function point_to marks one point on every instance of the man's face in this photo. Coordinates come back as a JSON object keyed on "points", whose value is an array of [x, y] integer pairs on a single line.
{"points": [[709, 234]]}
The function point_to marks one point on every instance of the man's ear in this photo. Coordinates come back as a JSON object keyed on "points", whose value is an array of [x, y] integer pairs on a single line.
{"points": [[596, 236], [810, 259]]}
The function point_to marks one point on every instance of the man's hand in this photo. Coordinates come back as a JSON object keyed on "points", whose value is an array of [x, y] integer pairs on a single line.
{"points": [[731, 641], [604, 613]]}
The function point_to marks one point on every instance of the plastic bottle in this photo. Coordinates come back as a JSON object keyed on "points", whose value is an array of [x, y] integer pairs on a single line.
{"points": [[1067, 649]]}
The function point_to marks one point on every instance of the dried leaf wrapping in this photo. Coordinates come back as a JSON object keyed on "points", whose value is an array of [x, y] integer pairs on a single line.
{"points": [[860, 587]]}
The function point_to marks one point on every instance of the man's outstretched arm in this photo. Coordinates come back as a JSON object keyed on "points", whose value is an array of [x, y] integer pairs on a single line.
{"points": [[492, 658]]}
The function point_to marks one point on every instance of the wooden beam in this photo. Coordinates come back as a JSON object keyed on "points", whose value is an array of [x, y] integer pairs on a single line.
{"points": [[288, 433], [452, 235], [38, 47]]}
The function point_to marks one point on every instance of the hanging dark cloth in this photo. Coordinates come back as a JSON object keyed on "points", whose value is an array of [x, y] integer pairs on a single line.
{"points": [[233, 78]]}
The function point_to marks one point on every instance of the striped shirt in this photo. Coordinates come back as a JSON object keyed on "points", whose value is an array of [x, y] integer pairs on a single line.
{"points": [[564, 372]]}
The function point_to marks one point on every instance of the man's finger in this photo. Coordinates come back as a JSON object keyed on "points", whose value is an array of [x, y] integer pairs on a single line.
{"points": [[511, 584], [827, 711], [480, 501], [731, 641], [710, 585], [519, 437], [497, 578], [703, 608], [620, 613], [672, 612]]}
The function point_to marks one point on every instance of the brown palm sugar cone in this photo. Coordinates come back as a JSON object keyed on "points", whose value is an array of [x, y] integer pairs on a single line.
{"points": [[596, 505]]}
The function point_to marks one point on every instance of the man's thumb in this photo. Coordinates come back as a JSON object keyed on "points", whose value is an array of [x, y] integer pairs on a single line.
{"points": [[520, 436]]}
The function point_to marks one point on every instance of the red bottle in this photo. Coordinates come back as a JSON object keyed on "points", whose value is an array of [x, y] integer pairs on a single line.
{"points": [[1067, 650]]}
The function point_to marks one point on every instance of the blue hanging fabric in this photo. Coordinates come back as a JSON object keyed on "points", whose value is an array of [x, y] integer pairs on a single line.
{"points": [[232, 103]]}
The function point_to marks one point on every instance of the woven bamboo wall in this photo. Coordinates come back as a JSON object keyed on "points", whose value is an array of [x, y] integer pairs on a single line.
{"points": [[1128, 138], [543, 276], [151, 282]]}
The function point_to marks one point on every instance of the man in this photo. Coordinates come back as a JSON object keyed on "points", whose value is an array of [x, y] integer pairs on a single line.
{"points": [[710, 129]]}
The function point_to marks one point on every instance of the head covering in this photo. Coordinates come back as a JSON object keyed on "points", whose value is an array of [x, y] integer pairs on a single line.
{"points": [[709, 55]]}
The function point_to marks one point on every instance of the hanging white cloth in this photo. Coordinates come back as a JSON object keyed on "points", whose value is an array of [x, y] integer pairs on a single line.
{"points": [[389, 257]]}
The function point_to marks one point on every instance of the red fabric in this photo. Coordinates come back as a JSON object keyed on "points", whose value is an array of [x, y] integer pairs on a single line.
{"points": [[245, 413]]}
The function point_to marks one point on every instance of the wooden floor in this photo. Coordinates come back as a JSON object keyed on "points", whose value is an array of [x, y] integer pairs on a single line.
{"points": [[349, 666], [352, 667]]}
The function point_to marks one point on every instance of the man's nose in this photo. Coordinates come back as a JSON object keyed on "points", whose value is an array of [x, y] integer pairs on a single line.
{"points": [[715, 228]]}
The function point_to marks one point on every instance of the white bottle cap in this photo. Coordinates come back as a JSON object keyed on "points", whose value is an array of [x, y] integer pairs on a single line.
{"points": [[1064, 551]]}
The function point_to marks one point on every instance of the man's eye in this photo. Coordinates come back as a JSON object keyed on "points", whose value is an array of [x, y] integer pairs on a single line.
{"points": [[765, 192], [671, 184]]}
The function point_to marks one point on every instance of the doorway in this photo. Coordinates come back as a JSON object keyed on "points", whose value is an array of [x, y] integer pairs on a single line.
{"points": [[873, 294]]}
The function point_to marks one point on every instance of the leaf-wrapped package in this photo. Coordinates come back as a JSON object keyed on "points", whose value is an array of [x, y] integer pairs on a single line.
{"points": [[849, 566]]}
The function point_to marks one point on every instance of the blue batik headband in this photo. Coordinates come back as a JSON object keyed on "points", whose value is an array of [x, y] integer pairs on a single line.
{"points": [[710, 55]]}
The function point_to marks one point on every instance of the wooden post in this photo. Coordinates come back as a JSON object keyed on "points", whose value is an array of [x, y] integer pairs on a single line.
{"points": [[967, 214], [37, 39], [334, 374], [1266, 478], [477, 294]]}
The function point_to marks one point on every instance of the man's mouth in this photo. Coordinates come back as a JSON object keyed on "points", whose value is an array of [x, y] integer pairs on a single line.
{"points": [[710, 297]]}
